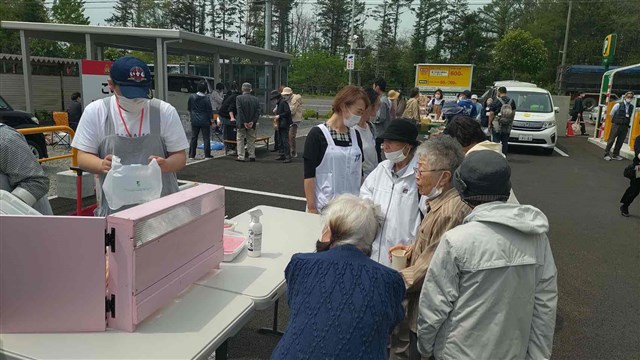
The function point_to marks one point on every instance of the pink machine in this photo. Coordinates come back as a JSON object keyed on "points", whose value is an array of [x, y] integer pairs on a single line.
{"points": [[52, 268]]}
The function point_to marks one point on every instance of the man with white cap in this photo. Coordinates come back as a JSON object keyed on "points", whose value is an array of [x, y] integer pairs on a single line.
{"points": [[295, 103], [132, 126], [491, 288], [474, 100]]}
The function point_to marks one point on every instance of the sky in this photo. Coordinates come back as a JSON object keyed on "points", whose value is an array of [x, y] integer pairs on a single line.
{"points": [[99, 10]]}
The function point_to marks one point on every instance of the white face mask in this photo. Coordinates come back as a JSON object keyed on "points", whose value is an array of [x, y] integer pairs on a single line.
{"points": [[435, 191], [396, 156], [133, 106], [352, 120]]}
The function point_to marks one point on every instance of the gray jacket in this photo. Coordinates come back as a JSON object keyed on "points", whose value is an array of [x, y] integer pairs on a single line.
{"points": [[490, 291], [383, 117], [248, 110]]}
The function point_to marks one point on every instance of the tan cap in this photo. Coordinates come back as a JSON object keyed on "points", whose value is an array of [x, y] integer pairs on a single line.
{"points": [[287, 91], [393, 94]]}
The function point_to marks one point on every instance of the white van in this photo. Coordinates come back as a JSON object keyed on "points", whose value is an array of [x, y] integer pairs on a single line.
{"points": [[535, 120], [181, 86]]}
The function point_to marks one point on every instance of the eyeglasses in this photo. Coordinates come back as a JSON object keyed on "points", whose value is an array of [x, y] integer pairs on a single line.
{"points": [[417, 170]]}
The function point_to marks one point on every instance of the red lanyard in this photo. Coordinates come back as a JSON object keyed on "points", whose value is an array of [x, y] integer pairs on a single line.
{"points": [[125, 124]]}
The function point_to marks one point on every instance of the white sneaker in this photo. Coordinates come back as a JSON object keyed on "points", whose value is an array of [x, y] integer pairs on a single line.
{"points": [[607, 157], [618, 157]]}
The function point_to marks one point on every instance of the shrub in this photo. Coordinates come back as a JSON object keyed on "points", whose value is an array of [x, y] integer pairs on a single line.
{"points": [[309, 113]]}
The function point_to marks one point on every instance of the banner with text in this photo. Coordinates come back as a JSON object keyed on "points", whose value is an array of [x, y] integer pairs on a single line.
{"points": [[448, 78]]}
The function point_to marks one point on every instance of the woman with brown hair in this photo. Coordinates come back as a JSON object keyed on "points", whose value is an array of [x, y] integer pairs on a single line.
{"points": [[333, 151]]}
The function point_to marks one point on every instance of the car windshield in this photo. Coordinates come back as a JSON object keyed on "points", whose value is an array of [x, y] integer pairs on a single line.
{"points": [[534, 102], [4, 105]]}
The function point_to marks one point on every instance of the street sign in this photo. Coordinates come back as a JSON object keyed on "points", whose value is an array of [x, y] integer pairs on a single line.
{"points": [[351, 61], [608, 49], [94, 75], [448, 78]]}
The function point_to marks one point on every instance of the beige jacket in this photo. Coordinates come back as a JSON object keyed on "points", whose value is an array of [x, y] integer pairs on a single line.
{"points": [[445, 212], [412, 111], [296, 108]]}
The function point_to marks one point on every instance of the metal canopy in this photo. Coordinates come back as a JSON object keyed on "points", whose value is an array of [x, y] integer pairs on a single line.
{"points": [[159, 41]]}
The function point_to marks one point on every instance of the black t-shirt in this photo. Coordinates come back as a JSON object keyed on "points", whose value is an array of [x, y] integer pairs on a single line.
{"points": [[315, 147]]}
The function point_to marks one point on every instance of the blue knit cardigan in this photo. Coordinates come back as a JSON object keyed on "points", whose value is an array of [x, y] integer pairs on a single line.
{"points": [[343, 306]]}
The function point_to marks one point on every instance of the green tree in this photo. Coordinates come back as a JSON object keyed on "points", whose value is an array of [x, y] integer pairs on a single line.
{"points": [[531, 55], [69, 12], [317, 72], [226, 18], [333, 23]]}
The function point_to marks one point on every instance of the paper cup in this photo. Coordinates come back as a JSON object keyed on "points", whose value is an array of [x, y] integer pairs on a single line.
{"points": [[399, 259]]}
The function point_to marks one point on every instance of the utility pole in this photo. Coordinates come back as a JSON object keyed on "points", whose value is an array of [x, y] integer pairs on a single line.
{"points": [[564, 49], [351, 33], [267, 25], [566, 34]]}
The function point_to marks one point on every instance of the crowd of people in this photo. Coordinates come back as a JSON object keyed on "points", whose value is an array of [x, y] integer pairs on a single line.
{"points": [[480, 279]]}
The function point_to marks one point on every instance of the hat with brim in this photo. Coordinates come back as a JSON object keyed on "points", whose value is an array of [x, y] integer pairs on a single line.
{"points": [[393, 95], [133, 78], [403, 130], [287, 91]]}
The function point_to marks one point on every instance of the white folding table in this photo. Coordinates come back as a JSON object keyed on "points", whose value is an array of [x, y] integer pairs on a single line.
{"points": [[197, 323], [284, 233]]}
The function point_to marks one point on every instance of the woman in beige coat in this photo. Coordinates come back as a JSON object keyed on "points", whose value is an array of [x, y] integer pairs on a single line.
{"points": [[412, 111]]}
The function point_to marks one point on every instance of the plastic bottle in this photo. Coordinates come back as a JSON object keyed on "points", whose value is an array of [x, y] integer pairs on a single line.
{"points": [[254, 246]]}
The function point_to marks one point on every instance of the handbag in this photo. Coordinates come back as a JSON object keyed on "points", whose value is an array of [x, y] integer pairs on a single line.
{"points": [[576, 126], [630, 172]]}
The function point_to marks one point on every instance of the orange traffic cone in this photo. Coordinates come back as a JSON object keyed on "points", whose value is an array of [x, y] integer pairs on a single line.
{"points": [[569, 129]]}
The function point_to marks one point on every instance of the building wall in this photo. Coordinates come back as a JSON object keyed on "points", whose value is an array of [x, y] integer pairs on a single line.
{"points": [[47, 91]]}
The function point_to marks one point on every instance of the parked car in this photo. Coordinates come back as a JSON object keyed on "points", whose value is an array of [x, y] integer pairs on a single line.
{"points": [[535, 120], [20, 120]]}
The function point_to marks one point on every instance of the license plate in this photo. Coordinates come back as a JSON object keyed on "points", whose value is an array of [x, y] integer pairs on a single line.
{"points": [[525, 137]]}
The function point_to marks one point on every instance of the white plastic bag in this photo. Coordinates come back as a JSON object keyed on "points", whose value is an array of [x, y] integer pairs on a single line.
{"points": [[132, 184]]}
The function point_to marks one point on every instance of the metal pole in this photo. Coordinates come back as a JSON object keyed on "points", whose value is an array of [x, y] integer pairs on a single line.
{"points": [[351, 33], [566, 34], [267, 24], [26, 70]]}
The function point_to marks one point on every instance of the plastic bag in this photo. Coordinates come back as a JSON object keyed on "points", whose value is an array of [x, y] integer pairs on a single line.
{"points": [[132, 184]]}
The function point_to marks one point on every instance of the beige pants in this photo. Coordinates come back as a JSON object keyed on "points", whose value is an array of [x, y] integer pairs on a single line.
{"points": [[250, 136]]}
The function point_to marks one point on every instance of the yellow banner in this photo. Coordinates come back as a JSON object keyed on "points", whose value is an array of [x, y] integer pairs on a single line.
{"points": [[448, 78]]}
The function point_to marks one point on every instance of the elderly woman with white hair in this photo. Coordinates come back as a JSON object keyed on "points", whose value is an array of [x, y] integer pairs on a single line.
{"points": [[343, 304]]}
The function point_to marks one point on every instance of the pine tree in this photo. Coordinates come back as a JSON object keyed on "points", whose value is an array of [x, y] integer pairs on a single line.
{"points": [[226, 18], [123, 13], [184, 15], [333, 23], [69, 12], [500, 16], [254, 24]]}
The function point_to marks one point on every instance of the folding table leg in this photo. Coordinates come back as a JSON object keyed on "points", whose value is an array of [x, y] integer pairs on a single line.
{"points": [[221, 351], [274, 330]]}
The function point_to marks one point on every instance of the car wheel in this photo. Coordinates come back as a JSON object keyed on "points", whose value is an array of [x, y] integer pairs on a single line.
{"points": [[547, 151], [35, 149]]}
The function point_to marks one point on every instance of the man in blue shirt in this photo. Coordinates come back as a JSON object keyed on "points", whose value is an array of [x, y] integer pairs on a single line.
{"points": [[469, 108]]}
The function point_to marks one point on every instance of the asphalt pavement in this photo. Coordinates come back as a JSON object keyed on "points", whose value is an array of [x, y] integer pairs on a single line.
{"points": [[596, 250]]}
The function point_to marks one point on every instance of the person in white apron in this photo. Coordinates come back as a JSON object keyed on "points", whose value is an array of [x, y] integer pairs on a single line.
{"points": [[20, 173], [332, 154], [133, 127]]}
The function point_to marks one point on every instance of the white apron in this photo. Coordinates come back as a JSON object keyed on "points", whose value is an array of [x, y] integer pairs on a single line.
{"points": [[340, 170]]}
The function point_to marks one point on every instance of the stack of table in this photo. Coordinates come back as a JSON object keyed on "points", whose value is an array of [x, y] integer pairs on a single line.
{"points": [[203, 317]]}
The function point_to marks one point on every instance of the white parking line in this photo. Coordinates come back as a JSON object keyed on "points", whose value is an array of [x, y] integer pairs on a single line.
{"points": [[561, 152], [256, 192]]}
